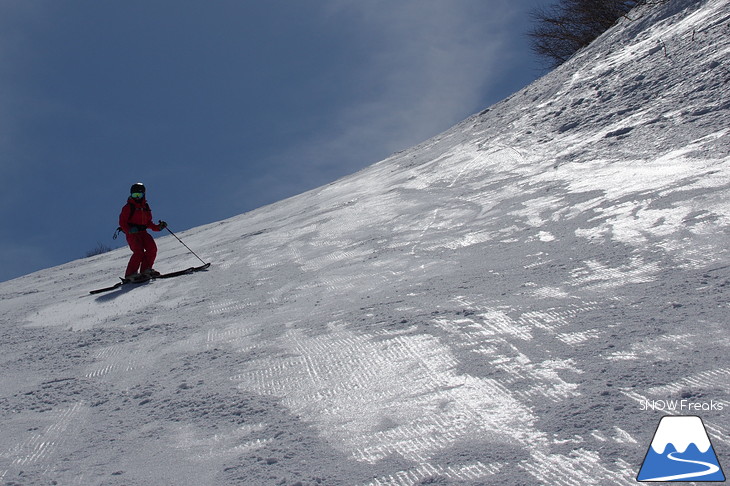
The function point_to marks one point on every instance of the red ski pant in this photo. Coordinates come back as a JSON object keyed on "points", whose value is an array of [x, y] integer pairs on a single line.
{"points": [[144, 252]]}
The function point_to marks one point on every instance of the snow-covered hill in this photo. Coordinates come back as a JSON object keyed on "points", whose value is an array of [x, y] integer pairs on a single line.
{"points": [[498, 305]]}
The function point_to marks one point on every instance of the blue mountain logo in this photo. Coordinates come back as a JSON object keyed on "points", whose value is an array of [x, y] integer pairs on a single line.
{"points": [[681, 451]]}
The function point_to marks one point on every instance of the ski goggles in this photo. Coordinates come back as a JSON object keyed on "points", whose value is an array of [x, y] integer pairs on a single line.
{"points": [[137, 195]]}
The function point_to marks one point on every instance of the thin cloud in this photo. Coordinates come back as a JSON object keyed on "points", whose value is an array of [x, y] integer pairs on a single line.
{"points": [[428, 65]]}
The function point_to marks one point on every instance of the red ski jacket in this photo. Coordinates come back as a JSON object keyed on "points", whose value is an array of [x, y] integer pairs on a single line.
{"points": [[136, 215]]}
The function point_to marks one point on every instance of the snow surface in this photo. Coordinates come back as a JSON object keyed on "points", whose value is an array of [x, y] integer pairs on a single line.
{"points": [[493, 306]]}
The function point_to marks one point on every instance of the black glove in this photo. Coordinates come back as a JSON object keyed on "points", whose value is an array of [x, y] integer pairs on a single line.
{"points": [[162, 224]]}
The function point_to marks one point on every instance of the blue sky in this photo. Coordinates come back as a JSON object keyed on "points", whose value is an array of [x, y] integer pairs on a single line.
{"points": [[223, 106]]}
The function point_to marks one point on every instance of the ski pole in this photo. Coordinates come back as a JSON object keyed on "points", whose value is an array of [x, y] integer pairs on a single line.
{"points": [[186, 246]]}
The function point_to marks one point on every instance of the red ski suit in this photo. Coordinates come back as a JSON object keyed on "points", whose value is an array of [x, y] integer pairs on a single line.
{"points": [[134, 220]]}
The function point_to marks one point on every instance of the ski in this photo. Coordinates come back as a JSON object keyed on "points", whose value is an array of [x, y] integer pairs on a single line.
{"points": [[125, 281], [183, 272], [106, 289], [175, 274]]}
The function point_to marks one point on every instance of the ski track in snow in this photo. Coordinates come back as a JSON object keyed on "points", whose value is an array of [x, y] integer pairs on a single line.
{"points": [[489, 307]]}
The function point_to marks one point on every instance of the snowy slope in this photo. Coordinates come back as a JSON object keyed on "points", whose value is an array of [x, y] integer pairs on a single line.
{"points": [[493, 306]]}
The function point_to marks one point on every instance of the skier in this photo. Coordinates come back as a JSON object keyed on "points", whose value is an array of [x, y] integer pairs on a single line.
{"points": [[134, 220]]}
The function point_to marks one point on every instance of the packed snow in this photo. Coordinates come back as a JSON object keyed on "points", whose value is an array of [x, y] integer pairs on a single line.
{"points": [[498, 305]]}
